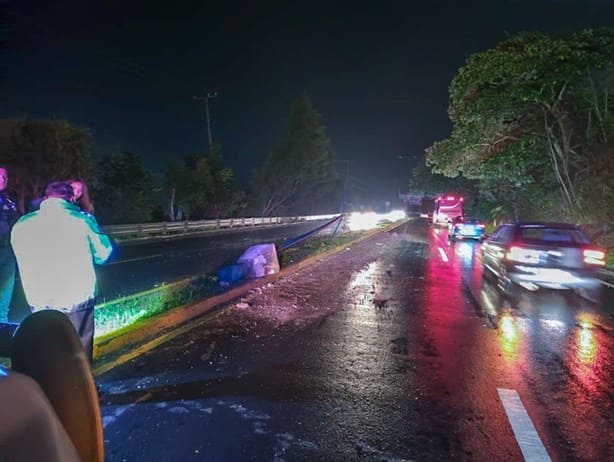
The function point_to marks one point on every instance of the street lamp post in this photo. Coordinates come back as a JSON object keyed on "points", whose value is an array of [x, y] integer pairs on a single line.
{"points": [[206, 100]]}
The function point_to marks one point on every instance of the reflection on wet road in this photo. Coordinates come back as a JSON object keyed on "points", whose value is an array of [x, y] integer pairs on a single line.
{"points": [[556, 346], [416, 357]]}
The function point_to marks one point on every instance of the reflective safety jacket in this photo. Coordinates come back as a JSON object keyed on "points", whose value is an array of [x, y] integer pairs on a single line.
{"points": [[56, 248]]}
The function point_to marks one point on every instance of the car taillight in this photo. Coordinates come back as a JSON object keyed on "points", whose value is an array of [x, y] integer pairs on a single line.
{"points": [[523, 255], [594, 257]]}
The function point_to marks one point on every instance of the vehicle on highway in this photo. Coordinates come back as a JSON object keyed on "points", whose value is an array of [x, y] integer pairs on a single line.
{"points": [[543, 255], [465, 227], [419, 205], [447, 208]]}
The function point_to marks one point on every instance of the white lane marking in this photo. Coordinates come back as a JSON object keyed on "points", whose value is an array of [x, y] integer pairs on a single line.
{"points": [[526, 435], [443, 254], [148, 257]]}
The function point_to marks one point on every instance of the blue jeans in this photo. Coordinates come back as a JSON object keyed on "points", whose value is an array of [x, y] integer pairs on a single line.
{"points": [[7, 279]]}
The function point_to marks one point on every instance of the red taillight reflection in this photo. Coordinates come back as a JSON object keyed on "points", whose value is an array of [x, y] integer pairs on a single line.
{"points": [[594, 257]]}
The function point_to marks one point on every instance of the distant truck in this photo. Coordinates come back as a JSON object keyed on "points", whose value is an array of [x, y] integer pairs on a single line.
{"points": [[447, 208], [419, 204]]}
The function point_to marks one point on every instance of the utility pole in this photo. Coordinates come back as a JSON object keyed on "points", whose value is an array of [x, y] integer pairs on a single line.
{"points": [[206, 99]]}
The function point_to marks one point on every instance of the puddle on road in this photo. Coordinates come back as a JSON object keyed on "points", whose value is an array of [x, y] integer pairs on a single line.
{"points": [[369, 291]]}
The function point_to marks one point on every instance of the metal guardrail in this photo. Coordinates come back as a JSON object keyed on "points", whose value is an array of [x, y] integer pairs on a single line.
{"points": [[140, 230]]}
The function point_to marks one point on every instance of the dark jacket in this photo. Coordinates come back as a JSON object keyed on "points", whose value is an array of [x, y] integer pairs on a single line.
{"points": [[9, 213]]}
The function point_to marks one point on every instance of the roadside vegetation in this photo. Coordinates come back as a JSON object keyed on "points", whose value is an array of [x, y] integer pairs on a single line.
{"points": [[315, 246], [123, 314], [533, 132]]}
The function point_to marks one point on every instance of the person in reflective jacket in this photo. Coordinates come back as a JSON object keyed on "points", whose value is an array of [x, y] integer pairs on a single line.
{"points": [[56, 249]]}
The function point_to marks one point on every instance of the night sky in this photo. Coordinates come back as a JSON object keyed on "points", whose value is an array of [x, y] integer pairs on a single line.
{"points": [[378, 74]]}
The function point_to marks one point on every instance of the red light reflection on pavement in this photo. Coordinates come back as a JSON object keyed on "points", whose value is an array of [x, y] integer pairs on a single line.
{"points": [[557, 352], [448, 314], [587, 364], [586, 352]]}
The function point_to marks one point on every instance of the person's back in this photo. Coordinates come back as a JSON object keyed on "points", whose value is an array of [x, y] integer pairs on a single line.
{"points": [[56, 249], [56, 254]]}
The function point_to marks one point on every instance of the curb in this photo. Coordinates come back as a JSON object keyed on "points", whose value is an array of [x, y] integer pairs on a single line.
{"points": [[159, 329]]}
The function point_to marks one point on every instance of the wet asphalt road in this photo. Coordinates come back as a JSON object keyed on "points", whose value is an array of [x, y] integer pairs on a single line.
{"points": [[416, 366]]}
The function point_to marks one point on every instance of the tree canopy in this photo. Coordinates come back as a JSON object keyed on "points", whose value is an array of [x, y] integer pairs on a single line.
{"points": [[201, 187], [39, 151], [300, 169], [124, 189], [525, 116]]}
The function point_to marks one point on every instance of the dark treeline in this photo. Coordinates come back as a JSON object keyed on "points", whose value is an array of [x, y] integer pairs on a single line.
{"points": [[297, 176], [533, 132]]}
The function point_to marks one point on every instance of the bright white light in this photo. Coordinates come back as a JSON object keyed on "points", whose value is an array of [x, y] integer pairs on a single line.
{"points": [[359, 221], [523, 255], [465, 251], [443, 255], [396, 215], [554, 325], [594, 257], [362, 221]]}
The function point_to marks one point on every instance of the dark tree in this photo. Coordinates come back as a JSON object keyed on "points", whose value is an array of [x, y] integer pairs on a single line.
{"points": [[201, 187], [525, 116], [123, 190], [300, 169], [39, 151]]}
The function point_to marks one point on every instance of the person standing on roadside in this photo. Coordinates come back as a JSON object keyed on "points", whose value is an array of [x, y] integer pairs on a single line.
{"points": [[8, 216], [81, 195], [56, 249]]}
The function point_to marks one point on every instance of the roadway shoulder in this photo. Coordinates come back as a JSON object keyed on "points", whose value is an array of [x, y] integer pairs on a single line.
{"points": [[151, 332]]}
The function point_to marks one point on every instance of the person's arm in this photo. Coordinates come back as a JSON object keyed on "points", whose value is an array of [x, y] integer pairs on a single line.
{"points": [[100, 243]]}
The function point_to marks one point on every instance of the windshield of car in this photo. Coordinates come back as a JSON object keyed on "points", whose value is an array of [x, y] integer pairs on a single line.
{"points": [[553, 235]]}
